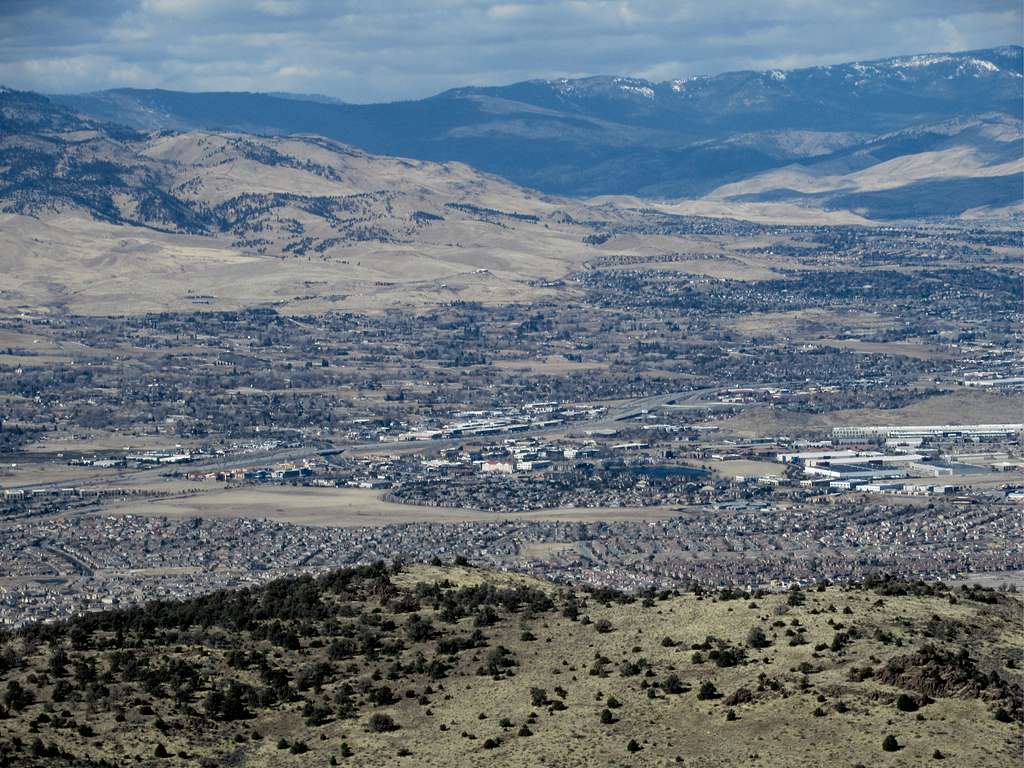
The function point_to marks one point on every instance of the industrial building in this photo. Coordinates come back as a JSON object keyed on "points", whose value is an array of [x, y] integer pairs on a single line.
{"points": [[848, 434], [853, 471]]}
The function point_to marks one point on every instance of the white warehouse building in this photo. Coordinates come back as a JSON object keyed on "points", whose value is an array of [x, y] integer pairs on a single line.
{"points": [[946, 430]]}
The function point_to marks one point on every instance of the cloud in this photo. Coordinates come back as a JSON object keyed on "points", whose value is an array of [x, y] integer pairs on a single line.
{"points": [[294, 71], [396, 49]]}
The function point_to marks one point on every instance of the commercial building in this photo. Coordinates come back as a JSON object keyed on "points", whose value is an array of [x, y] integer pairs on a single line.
{"points": [[1012, 382], [946, 430], [853, 471], [498, 466]]}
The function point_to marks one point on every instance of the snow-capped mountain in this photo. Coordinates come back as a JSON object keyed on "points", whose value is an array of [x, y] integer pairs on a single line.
{"points": [[623, 135]]}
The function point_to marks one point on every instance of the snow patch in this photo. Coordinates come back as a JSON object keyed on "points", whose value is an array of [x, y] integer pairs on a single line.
{"points": [[643, 90], [921, 60]]}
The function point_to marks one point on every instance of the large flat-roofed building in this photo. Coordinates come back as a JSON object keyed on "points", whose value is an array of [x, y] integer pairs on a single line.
{"points": [[1011, 382], [854, 471], [796, 457], [876, 459], [946, 430]]}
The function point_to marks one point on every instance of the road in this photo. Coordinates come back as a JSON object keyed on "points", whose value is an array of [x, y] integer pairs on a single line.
{"points": [[644, 405]]}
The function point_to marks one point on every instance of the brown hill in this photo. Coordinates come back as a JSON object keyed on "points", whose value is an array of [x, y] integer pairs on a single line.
{"points": [[102, 219], [456, 666]]}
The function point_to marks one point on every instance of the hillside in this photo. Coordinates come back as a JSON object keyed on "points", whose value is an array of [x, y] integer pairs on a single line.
{"points": [[624, 136], [457, 666], [90, 208], [948, 168]]}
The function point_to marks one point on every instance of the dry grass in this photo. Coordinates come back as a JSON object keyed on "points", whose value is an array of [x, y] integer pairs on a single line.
{"points": [[778, 728], [348, 508], [964, 406]]}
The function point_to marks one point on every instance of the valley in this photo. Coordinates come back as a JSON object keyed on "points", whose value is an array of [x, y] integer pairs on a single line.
{"points": [[589, 420]]}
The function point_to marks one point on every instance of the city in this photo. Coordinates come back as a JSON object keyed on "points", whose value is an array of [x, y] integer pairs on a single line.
{"points": [[511, 384]]}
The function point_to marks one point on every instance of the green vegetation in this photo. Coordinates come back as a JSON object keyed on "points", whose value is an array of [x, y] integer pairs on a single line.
{"points": [[378, 665]]}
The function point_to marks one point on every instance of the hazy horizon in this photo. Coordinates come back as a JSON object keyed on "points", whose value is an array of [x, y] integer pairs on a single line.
{"points": [[406, 50], [300, 94]]}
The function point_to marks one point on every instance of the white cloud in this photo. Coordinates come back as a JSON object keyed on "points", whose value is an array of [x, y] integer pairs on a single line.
{"points": [[182, 9], [389, 49], [294, 70], [281, 7]]}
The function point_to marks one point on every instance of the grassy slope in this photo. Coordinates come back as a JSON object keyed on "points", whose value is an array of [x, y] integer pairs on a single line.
{"points": [[778, 728]]}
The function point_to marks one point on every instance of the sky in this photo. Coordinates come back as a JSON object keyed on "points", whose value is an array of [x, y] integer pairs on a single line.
{"points": [[384, 50]]}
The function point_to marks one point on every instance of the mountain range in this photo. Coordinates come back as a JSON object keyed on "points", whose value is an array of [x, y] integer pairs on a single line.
{"points": [[154, 199], [686, 138]]}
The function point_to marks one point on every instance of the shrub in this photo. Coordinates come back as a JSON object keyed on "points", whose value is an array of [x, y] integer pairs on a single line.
{"points": [[707, 691], [17, 697], [418, 629], [889, 743], [499, 659], [756, 638], [160, 751], [603, 626], [739, 696], [859, 674], [673, 684], [525, 731], [383, 696], [607, 718], [492, 743], [379, 723], [727, 657], [633, 746], [61, 691], [905, 703]]}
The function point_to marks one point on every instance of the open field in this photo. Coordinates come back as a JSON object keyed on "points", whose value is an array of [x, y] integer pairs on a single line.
{"points": [[553, 365], [810, 323], [93, 268], [994, 580], [919, 351], [728, 268], [740, 467], [24, 473], [964, 406], [347, 508]]}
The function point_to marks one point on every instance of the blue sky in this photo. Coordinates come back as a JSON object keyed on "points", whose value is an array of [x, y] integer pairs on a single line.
{"points": [[379, 50]]}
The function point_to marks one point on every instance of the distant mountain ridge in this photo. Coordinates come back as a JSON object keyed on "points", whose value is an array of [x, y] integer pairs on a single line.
{"points": [[618, 135]]}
